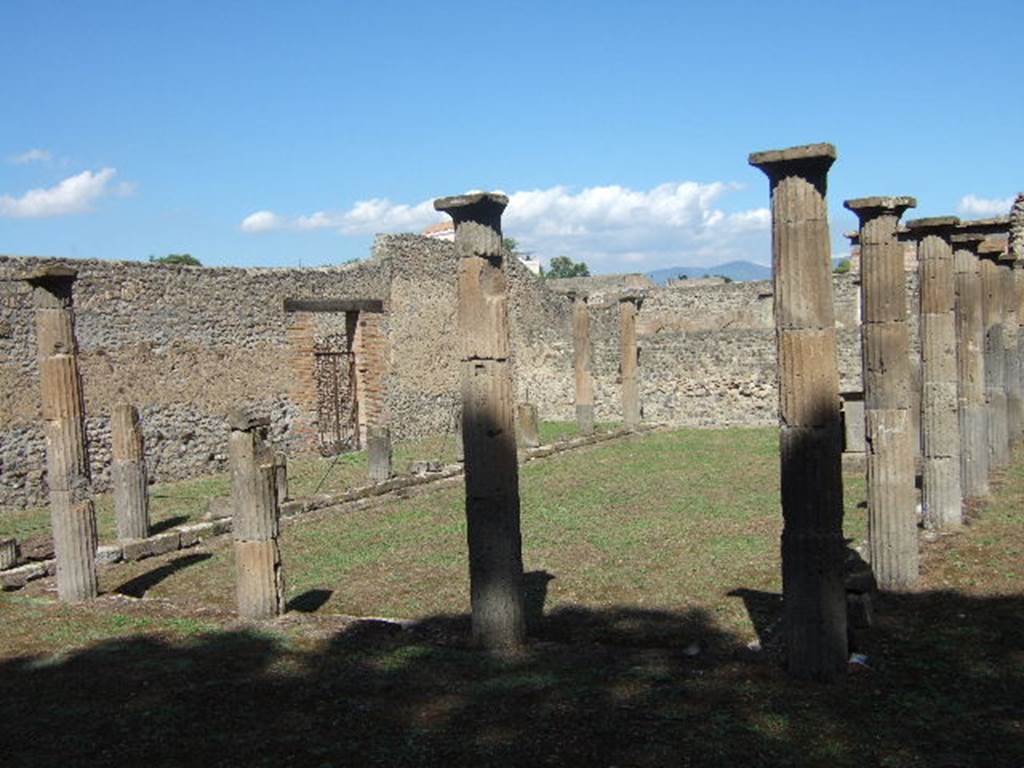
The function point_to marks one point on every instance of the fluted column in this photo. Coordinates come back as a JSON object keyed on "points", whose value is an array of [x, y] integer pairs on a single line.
{"points": [[259, 578], [970, 335], [629, 362], [1015, 250], [993, 309], [892, 514], [128, 473], [582, 363], [378, 453], [942, 490], [488, 424], [1011, 352], [814, 596], [72, 514]]}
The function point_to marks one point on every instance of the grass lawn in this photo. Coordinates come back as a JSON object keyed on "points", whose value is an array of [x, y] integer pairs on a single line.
{"points": [[180, 502], [653, 587]]}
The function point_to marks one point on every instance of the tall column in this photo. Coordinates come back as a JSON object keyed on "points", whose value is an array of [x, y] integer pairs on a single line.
{"points": [[378, 453], [1011, 355], [814, 597], [488, 423], [582, 362], [629, 363], [131, 492], [72, 514], [258, 575], [970, 343], [1015, 250], [892, 514], [942, 490], [993, 309]]}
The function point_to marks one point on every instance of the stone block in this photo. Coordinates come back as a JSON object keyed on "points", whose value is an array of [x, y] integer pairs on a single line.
{"points": [[107, 554], [193, 534], [154, 545], [8, 553], [222, 526], [853, 426], [16, 578]]}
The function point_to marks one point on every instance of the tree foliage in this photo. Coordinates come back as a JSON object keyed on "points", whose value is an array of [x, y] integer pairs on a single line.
{"points": [[563, 266], [177, 259], [842, 267]]}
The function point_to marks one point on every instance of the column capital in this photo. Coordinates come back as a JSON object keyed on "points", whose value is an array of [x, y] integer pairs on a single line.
{"points": [[868, 208], [938, 226], [481, 207], [805, 160], [55, 281]]}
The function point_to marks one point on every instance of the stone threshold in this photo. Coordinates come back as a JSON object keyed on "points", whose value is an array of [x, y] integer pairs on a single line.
{"points": [[186, 536]]}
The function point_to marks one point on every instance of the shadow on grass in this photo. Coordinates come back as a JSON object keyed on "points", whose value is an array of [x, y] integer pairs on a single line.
{"points": [[310, 601], [595, 687], [140, 585], [164, 525]]}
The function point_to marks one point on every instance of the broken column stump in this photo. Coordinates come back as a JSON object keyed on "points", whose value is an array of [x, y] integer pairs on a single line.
{"points": [[67, 463], [970, 345], [629, 361], [128, 473], [814, 595], [258, 574], [892, 514], [526, 420], [488, 424], [281, 477], [378, 453], [942, 490], [582, 357], [993, 309]]}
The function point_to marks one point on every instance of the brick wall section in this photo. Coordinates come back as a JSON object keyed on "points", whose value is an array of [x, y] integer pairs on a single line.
{"points": [[371, 351], [302, 388]]}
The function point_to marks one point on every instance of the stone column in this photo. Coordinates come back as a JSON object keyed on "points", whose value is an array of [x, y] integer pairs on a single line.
{"points": [[128, 473], [1015, 250], [1011, 354], [488, 424], [942, 491], [993, 309], [259, 578], [281, 477], [378, 453], [529, 428], [629, 363], [582, 363], [892, 514], [970, 343], [813, 553], [72, 513]]}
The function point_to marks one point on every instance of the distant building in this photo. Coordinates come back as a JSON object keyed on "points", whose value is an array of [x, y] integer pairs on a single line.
{"points": [[445, 230]]}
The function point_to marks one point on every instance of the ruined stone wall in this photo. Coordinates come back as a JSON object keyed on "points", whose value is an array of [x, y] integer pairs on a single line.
{"points": [[182, 343]]}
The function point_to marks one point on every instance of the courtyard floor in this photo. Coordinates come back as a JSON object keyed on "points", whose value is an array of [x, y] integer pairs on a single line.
{"points": [[653, 591]]}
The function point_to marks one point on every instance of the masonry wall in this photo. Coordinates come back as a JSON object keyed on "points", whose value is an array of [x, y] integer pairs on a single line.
{"points": [[182, 343]]}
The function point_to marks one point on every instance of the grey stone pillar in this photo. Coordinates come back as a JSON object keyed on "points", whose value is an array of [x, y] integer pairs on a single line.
{"points": [[1011, 352], [1015, 251], [892, 513], [993, 309], [629, 361], [942, 491], [72, 513], [529, 428], [813, 552], [582, 356], [258, 573], [281, 477], [488, 424], [970, 334], [128, 473], [378, 453]]}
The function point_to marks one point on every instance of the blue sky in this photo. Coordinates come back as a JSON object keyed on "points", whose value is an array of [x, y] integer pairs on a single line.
{"points": [[275, 134]]}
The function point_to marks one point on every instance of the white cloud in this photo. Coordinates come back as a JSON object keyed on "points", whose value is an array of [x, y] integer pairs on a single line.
{"points": [[611, 227], [32, 156], [261, 221], [972, 205], [75, 194]]}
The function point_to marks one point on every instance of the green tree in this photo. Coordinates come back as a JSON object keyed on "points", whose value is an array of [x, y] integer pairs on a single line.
{"points": [[177, 259], [842, 267], [563, 266], [511, 244]]}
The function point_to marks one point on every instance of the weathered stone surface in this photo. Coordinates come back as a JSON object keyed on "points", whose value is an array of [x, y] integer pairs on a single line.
{"points": [[106, 554], [131, 487], [8, 553], [218, 507], [854, 436], [16, 578], [195, 533], [281, 477], [527, 425], [378, 454], [259, 579], [814, 597], [629, 363], [970, 331], [488, 427], [160, 544]]}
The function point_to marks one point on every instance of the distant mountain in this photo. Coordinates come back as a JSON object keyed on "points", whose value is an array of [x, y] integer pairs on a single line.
{"points": [[735, 270]]}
